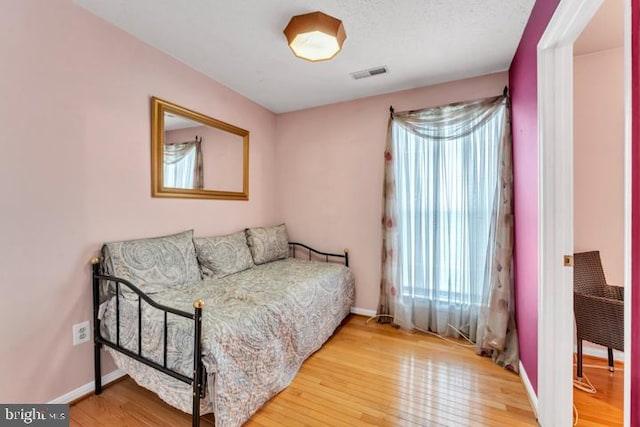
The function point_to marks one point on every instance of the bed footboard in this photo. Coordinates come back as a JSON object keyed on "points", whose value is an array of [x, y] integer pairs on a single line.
{"points": [[197, 381], [326, 255]]}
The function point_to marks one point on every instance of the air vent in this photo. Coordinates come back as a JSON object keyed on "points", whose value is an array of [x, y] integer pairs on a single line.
{"points": [[370, 72]]}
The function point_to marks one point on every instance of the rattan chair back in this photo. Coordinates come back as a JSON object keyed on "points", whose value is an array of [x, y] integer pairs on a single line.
{"points": [[588, 275]]}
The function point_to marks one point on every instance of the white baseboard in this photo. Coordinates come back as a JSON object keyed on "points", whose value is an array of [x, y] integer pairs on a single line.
{"points": [[601, 352], [533, 398], [88, 388], [363, 311]]}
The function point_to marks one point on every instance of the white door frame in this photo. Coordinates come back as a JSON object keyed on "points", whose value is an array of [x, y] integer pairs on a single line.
{"points": [[555, 210]]}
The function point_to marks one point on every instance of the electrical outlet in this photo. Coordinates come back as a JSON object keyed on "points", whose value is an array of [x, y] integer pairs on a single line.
{"points": [[81, 333]]}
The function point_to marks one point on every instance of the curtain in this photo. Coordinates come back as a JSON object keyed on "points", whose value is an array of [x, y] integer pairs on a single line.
{"points": [[448, 225], [183, 165]]}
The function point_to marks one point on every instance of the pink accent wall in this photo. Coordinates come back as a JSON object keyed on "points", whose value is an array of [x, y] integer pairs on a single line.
{"points": [[599, 158], [330, 171], [524, 105], [75, 172]]}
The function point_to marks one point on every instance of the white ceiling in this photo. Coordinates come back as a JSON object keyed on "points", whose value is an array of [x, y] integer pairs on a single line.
{"points": [[240, 43], [173, 122], [605, 31]]}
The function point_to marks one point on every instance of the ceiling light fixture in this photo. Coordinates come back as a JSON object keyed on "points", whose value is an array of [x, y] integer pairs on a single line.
{"points": [[315, 36]]}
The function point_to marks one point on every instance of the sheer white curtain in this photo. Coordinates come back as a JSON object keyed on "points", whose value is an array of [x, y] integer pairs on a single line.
{"points": [[183, 165], [444, 248]]}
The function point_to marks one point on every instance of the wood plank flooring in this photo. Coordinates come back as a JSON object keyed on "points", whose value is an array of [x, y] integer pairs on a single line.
{"points": [[605, 408], [364, 375]]}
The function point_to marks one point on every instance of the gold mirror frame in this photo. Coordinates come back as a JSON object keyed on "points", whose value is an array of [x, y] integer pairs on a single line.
{"points": [[158, 108]]}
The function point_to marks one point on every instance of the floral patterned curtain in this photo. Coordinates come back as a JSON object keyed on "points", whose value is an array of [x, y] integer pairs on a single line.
{"points": [[487, 316]]}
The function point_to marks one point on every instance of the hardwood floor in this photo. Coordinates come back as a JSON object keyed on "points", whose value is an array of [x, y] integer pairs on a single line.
{"points": [[605, 408], [364, 375]]}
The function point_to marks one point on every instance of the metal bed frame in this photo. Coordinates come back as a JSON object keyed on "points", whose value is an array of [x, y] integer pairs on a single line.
{"points": [[199, 378]]}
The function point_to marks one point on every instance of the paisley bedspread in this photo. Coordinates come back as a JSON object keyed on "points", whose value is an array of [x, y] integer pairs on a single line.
{"points": [[259, 326]]}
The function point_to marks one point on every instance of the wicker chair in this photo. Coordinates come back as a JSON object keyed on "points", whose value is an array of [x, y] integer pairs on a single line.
{"points": [[598, 307]]}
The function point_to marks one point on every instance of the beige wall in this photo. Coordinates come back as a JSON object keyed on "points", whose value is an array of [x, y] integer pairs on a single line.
{"points": [[599, 158], [330, 171], [75, 172]]}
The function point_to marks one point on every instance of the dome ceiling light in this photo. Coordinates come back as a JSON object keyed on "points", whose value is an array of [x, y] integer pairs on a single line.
{"points": [[315, 36]]}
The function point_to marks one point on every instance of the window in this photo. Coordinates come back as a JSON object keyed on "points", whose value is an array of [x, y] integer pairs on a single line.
{"points": [[448, 224], [180, 166], [446, 193]]}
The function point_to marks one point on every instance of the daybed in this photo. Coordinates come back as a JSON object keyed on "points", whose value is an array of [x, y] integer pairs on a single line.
{"points": [[226, 321]]}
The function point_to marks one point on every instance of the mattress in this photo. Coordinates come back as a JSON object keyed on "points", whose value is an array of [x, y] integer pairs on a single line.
{"points": [[258, 327]]}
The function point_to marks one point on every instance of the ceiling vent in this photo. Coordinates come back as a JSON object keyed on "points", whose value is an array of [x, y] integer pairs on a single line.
{"points": [[370, 72]]}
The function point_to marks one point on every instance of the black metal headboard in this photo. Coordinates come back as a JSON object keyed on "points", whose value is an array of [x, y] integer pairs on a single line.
{"points": [[311, 251]]}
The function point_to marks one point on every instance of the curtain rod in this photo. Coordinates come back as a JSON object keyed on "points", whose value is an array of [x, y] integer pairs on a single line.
{"points": [[505, 92], [185, 142]]}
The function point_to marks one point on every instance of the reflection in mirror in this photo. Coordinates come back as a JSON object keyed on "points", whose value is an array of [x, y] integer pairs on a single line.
{"points": [[182, 158], [197, 156]]}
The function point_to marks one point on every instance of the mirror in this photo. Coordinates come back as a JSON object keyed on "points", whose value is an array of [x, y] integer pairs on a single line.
{"points": [[196, 156]]}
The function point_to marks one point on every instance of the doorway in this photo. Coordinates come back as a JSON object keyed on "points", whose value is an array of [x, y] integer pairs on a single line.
{"points": [[556, 210], [598, 148]]}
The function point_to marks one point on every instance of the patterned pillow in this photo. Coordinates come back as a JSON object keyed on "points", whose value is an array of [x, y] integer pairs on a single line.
{"points": [[159, 261], [221, 256], [268, 243]]}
